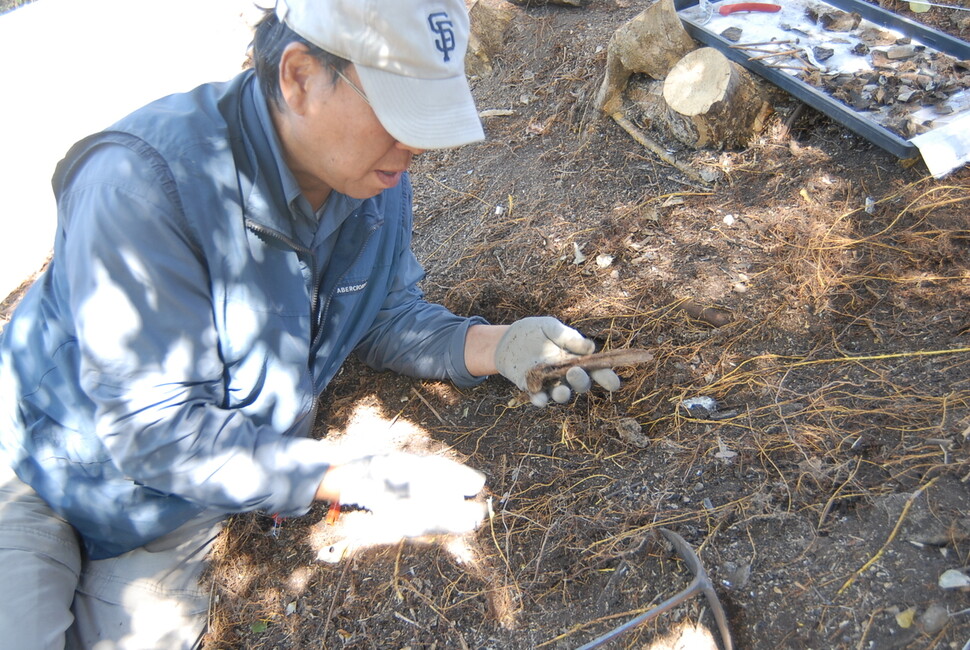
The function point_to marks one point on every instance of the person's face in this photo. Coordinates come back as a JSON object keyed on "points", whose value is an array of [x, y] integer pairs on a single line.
{"points": [[332, 139]]}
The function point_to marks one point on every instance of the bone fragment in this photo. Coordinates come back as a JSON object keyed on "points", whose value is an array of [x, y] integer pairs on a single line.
{"points": [[536, 378]]}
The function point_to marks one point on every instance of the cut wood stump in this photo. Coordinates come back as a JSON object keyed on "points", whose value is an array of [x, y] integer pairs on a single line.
{"points": [[650, 44], [713, 102]]}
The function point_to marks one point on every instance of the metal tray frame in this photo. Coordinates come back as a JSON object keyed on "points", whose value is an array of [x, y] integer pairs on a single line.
{"points": [[854, 121]]}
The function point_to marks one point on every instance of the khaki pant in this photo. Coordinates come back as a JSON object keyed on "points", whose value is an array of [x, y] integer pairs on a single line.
{"points": [[52, 598]]}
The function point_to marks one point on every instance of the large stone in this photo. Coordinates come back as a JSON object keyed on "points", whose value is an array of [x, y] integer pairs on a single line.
{"points": [[650, 44], [489, 21]]}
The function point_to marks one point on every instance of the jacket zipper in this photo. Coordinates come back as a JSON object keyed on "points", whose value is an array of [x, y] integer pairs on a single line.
{"points": [[309, 258], [307, 254]]}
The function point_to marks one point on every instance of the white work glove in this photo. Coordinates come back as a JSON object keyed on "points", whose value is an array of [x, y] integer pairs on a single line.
{"points": [[543, 339], [414, 495]]}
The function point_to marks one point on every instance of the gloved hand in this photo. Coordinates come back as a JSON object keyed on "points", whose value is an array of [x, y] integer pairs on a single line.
{"points": [[414, 495], [543, 339]]}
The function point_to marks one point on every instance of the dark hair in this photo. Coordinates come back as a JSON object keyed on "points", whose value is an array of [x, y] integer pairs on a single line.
{"points": [[269, 41]]}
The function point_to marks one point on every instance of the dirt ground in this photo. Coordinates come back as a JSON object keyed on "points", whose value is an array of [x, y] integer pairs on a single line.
{"points": [[826, 493]]}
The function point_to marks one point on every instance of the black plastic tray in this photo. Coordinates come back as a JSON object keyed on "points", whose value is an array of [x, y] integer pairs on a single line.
{"points": [[854, 121]]}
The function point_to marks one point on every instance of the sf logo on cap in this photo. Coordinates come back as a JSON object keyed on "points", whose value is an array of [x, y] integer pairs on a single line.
{"points": [[441, 25]]}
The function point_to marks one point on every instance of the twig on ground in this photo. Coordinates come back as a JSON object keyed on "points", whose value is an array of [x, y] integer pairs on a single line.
{"points": [[657, 150], [838, 490], [714, 316], [333, 603], [428, 404], [899, 523]]}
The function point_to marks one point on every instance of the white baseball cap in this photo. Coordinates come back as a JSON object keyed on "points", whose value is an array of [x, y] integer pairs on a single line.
{"points": [[410, 57]]}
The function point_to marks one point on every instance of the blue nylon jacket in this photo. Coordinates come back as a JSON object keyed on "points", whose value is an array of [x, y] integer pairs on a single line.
{"points": [[170, 358]]}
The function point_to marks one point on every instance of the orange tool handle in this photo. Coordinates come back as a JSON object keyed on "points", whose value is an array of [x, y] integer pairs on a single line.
{"points": [[748, 6], [333, 513]]}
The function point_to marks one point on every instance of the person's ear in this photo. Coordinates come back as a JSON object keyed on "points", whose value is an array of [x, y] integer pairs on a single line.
{"points": [[297, 68]]}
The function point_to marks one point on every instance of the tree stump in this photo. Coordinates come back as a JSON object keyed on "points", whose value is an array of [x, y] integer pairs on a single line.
{"points": [[651, 43], [713, 102]]}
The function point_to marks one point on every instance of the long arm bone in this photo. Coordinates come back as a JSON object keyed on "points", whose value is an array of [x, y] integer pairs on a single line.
{"points": [[536, 378]]}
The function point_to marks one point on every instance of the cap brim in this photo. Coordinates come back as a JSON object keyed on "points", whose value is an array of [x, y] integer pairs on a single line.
{"points": [[423, 113]]}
